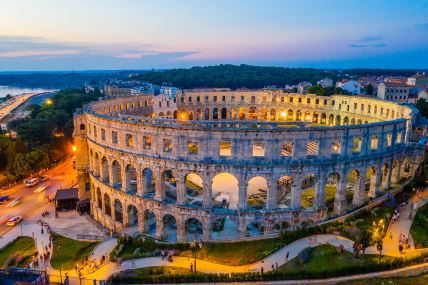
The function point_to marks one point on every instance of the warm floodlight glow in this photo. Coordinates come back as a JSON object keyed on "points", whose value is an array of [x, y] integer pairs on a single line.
{"points": [[49, 101], [282, 114], [74, 148], [183, 116]]}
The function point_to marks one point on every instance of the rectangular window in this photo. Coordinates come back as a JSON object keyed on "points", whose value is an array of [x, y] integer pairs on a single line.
{"points": [[223, 99], [103, 134], [95, 131], [399, 135], [225, 148], [308, 101], [300, 100], [389, 140], [287, 149], [312, 148], [317, 101], [215, 98], [374, 142], [258, 149], [114, 137], [147, 142], [192, 147], [356, 145], [129, 140], [167, 145], [291, 99], [198, 99]]}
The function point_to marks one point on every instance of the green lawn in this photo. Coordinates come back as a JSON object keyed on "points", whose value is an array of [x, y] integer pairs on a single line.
{"points": [[17, 252], [68, 252], [419, 230], [326, 260], [419, 280]]}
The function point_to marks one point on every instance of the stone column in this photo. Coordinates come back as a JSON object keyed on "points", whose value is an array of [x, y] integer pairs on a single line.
{"points": [[396, 173], [272, 194], [140, 216], [320, 190], [110, 173], [340, 197], [296, 191], [159, 190], [125, 216], [206, 227], [139, 181], [180, 186], [360, 182], [207, 191], [159, 228], [123, 177], [242, 202], [242, 226], [387, 182], [181, 233]]}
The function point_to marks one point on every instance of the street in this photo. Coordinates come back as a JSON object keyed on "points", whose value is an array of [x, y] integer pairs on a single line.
{"points": [[30, 202]]}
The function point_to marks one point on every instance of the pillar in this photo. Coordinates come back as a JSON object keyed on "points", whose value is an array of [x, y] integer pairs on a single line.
{"points": [[320, 190], [110, 173], [395, 178], [181, 233], [296, 192], [125, 215], [272, 194], [159, 190], [242, 226], [123, 177], [206, 226], [207, 192], [340, 197], [159, 228], [140, 216], [242, 202], [360, 182], [386, 184], [139, 181]]}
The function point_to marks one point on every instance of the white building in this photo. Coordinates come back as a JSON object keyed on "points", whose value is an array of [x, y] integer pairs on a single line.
{"points": [[325, 82], [351, 86], [303, 87], [419, 79], [169, 91], [397, 92]]}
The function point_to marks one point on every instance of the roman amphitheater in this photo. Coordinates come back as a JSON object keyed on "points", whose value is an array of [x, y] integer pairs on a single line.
{"points": [[221, 164]]}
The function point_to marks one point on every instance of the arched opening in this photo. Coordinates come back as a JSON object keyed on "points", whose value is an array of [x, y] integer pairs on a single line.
{"points": [[338, 120], [290, 115], [263, 114], [215, 114], [315, 118], [82, 127], [132, 216], [225, 191], [150, 223], [96, 165], [395, 176], [223, 113], [242, 113], [193, 229], [360, 122], [169, 186], [148, 182], [99, 198], [169, 228], [104, 169], [308, 117], [284, 192], [107, 205], [255, 229], [386, 183], [118, 211], [207, 114], [272, 115], [308, 191], [352, 187], [233, 113], [298, 115], [332, 183], [257, 192], [331, 120], [353, 121], [323, 118], [190, 116], [224, 228], [346, 121], [194, 189], [371, 177], [116, 174], [175, 115], [131, 179], [253, 113]]}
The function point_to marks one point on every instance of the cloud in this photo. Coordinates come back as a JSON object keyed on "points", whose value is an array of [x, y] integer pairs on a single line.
{"points": [[367, 45], [370, 39], [32, 53]]}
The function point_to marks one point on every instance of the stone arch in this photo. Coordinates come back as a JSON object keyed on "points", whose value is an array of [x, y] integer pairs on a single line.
{"points": [[252, 113], [272, 114], [315, 118], [263, 114], [207, 114], [257, 190], [174, 115], [190, 116], [193, 229], [215, 113], [82, 127], [223, 113], [284, 191], [131, 179], [371, 176], [169, 228], [225, 228], [346, 121], [149, 223], [298, 115], [169, 186], [290, 115], [308, 191], [331, 120], [99, 198], [118, 211], [395, 175], [148, 182], [104, 169], [242, 113], [307, 117], [194, 189], [132, 212], [107, 205], [359, 122], [116, 173], [225, 190], [338, 121], [385, 172], [353, 121], [323, 119], [233, 113], [353, 181], [255, 228], [331, 187]]}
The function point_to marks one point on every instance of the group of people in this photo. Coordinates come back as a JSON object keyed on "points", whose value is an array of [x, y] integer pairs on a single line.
{"points": [[167, 253], [396, 215], [403, 243], [40, 260]]}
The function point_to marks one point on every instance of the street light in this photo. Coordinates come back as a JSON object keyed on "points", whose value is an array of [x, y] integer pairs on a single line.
{"points": [[195, 245], [74, 148], [49, 102]]}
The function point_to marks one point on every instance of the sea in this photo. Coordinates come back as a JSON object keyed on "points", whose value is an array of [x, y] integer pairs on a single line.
{"points": [[5, 90]]}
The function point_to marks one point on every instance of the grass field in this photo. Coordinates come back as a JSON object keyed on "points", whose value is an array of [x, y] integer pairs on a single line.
{"points": [[417, 280], [68, 252], [17, 252], [419, 230]]}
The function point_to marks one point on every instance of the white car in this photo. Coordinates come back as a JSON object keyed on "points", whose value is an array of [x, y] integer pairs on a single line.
{"points": [[31, 182], [14, 220]]}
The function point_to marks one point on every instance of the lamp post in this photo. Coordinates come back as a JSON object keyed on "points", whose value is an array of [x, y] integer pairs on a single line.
{"points": [[195, 245]]}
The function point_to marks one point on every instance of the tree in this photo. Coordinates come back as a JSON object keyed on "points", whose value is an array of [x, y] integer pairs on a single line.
{"points": [[369, 89], [422, 106]]}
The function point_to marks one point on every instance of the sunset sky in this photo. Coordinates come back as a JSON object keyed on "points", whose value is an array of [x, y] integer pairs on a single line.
{"points": [[139, 34]]}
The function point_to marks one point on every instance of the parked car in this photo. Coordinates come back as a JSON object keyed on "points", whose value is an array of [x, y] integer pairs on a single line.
{"points": [[43, 178], [14, 220], [31, 182], [4, 199]]}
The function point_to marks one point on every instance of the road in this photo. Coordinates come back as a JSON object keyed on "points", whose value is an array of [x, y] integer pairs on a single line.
{"points": [[30, 203]]}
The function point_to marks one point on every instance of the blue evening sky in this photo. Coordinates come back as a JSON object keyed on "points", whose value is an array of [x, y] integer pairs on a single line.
{"points": [[136, 34]]}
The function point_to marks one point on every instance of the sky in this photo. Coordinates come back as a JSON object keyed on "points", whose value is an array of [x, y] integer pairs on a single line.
{"points": [[142, 34]]}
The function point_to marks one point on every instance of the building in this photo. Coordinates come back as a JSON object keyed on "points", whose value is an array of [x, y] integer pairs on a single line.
{"points": [[325, 82], [242, 158], [303, 87], [398, 92], [351, 86], [169, 91], [418, 80]]}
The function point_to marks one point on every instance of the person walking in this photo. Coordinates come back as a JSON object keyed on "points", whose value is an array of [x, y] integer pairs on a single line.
{"points": [[286, 256]]}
